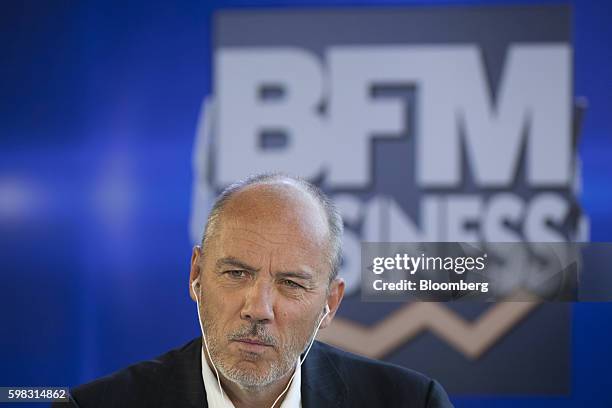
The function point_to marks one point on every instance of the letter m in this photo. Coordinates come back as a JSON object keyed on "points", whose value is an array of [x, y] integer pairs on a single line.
{"points": [[532, 110]]}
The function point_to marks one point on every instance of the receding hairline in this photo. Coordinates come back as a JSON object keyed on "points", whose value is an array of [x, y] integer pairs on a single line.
{"points": [[280, 188]]}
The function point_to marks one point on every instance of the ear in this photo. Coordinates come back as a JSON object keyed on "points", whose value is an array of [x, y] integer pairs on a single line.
{"points": [[194, 273], [336, 293]]}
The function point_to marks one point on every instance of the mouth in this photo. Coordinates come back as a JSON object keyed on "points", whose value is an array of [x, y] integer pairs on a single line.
{"points": [[252, 346], [253, 342]]}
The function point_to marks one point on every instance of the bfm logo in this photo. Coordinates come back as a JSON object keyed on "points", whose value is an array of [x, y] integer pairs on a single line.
{"points": [[488, 166]]}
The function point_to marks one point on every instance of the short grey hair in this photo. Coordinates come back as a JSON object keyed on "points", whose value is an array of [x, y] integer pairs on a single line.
{"points": [[334, 220]]}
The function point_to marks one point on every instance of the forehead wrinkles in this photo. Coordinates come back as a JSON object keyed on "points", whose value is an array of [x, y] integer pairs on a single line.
{"points": [[256, 237], [268, 244]]}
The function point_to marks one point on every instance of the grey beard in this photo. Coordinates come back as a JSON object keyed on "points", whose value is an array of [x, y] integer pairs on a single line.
{"points": [[250, 378]]}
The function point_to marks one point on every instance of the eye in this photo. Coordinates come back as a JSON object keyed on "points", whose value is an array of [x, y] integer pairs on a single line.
{"points": [[291, 284], [236, 274]]}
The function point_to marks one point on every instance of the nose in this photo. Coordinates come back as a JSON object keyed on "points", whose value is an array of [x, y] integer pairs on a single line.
{"points": [[259, 303]]}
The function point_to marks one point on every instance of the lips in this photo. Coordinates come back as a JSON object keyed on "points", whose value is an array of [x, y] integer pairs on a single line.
{"points": [[254, 342], [252, 348]]}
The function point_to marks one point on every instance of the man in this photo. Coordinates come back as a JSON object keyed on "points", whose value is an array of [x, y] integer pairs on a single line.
{"points": [[264, 281]]}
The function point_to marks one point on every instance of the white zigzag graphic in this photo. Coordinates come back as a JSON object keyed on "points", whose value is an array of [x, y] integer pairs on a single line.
{"points": [[472, 339]]}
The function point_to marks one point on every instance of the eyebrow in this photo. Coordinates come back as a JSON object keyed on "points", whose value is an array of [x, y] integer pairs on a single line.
{"points": [[231, 261], [291, 274]]}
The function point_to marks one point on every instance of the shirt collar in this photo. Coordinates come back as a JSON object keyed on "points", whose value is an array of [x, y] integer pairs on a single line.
{"points": [[216, 399]]}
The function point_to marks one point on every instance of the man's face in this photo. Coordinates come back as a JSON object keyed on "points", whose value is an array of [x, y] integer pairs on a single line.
{"points": [[264, 283]]}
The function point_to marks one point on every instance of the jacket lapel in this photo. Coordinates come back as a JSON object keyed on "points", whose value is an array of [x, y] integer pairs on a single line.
{"points": [[322, 384], [185, 387]]}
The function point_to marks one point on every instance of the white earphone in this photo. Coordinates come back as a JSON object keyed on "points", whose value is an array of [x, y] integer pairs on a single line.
{"points": [[301, 360], [193, 285]]}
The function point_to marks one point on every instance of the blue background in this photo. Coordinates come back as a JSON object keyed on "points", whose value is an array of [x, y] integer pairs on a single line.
{"points": [[98, 114]]}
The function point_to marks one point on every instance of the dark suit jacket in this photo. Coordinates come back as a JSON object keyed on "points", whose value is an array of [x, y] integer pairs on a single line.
{"points": [[330, 378]]}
